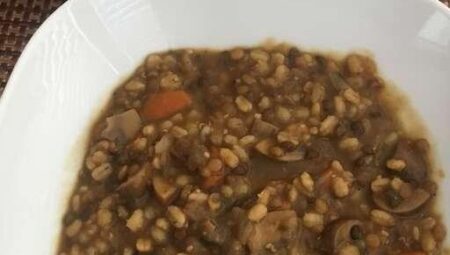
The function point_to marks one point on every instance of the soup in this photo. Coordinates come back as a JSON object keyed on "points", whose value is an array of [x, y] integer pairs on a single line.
{"points": [[264, 150]]}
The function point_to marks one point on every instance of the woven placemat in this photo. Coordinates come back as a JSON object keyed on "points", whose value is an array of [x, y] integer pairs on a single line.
{"points": [[19, 19]]}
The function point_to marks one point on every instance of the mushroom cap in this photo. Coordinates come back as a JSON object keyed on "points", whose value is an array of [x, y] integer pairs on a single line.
{"points": [[415, 201], [122, 127], [339, 233]]}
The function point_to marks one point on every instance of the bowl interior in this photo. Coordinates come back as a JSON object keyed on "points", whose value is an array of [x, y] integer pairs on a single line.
{"points": [[80, 54]]}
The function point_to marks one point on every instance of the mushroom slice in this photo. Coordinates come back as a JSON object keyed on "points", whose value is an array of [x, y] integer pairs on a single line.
{"points": [[416, 166], [295, 155], [416, 200], [340, 233], [264, 146], [263, 128], [275, 227], [122, 127], [136, 184]]}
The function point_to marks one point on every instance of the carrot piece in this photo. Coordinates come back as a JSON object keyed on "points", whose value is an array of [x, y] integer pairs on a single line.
{"points": [[166, 103]]}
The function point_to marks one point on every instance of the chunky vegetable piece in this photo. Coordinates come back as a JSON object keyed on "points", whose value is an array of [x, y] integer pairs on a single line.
{"points": [[164, 104], [267, 150]]}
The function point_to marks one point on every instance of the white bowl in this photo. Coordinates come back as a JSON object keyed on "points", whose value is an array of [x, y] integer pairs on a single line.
{"points": [[67, 71]]}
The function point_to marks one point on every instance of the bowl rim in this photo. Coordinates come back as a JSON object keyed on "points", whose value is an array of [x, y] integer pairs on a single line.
{"points": [[6, 95], [12, 86]]}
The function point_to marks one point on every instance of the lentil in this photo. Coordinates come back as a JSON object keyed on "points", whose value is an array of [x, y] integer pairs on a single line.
{"points": [[307, 181], [396, 164], [352, 96], [340, 187], [382, 218], [328, 125], [313, 221], [176, 216], [243, 104], [230, 159], [135, 86], [349, 250], [144, 245], [102, 172], [257, 212], [349, 144], [73, 228], [136, 221]]}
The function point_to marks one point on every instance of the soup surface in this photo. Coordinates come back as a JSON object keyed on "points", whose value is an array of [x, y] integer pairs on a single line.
{"points": [[265, 150]]}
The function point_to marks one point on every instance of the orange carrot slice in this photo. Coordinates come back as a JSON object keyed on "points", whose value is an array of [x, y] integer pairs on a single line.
{"points": [[166, 103]]}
